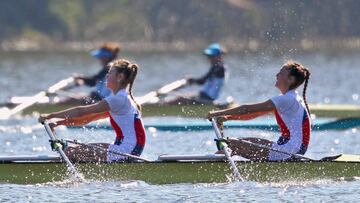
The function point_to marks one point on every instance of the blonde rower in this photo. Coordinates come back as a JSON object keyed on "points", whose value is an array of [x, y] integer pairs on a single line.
{"points": [[122, 110]]}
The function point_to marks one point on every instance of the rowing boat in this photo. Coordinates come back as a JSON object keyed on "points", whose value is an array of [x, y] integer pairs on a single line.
{"points": [[319, 124], [170, 169], [201, 110]]}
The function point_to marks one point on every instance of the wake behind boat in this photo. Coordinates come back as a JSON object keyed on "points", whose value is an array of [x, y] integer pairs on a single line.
{"points": [[171, 169]]}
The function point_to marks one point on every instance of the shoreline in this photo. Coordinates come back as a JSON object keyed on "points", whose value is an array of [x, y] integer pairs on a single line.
{"points": [[236, 46]]}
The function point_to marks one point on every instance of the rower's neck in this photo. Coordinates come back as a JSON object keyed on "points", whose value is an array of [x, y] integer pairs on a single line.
{"points": [[120, 87]]}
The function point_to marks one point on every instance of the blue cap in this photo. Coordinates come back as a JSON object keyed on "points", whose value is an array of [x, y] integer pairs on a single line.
{"points": [[214, 50], [100, 53]]}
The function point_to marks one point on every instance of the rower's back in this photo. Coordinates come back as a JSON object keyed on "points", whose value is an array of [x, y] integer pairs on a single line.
{"points": [[293, 120]]}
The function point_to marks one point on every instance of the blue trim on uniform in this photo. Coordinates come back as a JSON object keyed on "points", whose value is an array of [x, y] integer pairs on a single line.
{"points": [[137, 150], [118, 141], [305, 115], [302, 150], [136, 116], [282, 140]]}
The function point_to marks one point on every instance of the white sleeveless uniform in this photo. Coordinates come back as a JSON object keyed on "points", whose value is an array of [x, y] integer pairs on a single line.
{"points": [[126, 121], [294, 122]]}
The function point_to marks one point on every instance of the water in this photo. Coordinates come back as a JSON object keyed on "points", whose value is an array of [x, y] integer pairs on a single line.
{"points": [[252, 77]]}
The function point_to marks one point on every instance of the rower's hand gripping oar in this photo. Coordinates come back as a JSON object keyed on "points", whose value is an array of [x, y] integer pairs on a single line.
{"points": [[38, 97], [166, 89], [71, 168], [227, 151]]}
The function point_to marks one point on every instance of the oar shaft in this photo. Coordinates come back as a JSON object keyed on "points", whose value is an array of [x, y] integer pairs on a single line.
{"points": [[172, 86], [227, 151], [275, 150], [162, 91], [109, 151], [28, 103], [38, 97], [70, 166], [60, 85]]}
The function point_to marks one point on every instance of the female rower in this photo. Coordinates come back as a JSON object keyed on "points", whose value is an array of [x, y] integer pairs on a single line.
{"points": [[212, 82], [120, 107], [291, 112]]}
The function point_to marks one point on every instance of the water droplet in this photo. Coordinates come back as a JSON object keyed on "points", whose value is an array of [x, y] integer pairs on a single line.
{"points": [[326, 100], [152, 129], [26, 130], [355, 97]]}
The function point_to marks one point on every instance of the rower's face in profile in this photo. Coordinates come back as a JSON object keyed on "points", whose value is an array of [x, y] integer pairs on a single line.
{"points": [[112, 78], [214, 59], [283, 79]]}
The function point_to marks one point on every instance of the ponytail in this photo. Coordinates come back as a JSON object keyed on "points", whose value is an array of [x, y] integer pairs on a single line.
{"points": [[302, 75], [130, 71], [307, 77], [132, 76]]}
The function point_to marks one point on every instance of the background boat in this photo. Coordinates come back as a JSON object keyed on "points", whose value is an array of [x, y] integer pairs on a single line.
{"points": [[149, 109], [319, 124]]}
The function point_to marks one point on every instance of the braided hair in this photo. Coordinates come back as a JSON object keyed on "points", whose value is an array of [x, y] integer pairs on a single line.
{"points": [[130, 71], [302, 75]]}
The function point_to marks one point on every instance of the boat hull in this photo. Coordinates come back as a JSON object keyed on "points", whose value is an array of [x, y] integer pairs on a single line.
{"points": [[180, 172]]}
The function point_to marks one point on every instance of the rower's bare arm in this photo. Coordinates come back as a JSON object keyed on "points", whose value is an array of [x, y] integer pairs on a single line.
{"points": [[248, 116], [83, 120], [80, 111], [245, 112], [100, 107]]}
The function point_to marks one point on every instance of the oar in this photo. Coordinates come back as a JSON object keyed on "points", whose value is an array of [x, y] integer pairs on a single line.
{"points": [[109, 151], [162, 91], [71, 168], [276, 150], [227, 152], [38, 97]]}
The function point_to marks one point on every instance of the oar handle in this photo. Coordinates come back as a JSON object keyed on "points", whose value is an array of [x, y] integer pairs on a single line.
{"points": [[52, 137], [227, 151]]}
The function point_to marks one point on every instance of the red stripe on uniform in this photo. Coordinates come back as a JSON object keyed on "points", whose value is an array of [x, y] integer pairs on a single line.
{"points": [[285, 132], [306, 129], [140, 132], [119, 133]]}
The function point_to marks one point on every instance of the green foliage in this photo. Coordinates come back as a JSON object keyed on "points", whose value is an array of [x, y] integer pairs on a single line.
{"points": [[172, 20], [71, 13]]}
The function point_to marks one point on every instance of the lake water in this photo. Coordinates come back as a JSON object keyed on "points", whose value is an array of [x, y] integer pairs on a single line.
{"points": [[333, 80]]}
